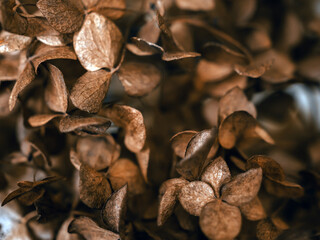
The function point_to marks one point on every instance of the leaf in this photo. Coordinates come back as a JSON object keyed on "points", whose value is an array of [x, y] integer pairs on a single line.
{"points": [[253, 70], [196, 154], [235, 100], [216, 174], [88, 229], [12, 42], [168, 195], [78, 123], [270, 167], [90, 89], [24, 79], [62, 15], [219, 220], [179, 142], [253, 210], [243, 187], [194, 196], [139, 78], [98, 43], [283, 189], [132, 121], [94, 187], [55, 93], [42, 119], [114, 211], [124, 171], [193, 5], [240, 126]]}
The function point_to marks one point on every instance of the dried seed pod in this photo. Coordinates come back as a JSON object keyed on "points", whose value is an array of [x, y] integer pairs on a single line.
{"points": [[195, 195]]}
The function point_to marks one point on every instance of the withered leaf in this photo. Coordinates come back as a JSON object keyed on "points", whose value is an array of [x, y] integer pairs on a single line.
{"points": [[90, 89], [42, 119], [12, 42], [86, 124], [243, 187], [219, 220], [143, 161], [235, 100], [24, 79], [139, 78], [238, 126], [216, 174], [98, 43], [112, 9], [123, 171], [195, 195], [168, 195], [179, 142], [283, 189], [193, 5], [94, 187], [88, 229], [196, 154], [132, 121], [62, 15], [55, 93], [253, 70], [114, 210], [269, 166], [253, 210], [45, 53]]}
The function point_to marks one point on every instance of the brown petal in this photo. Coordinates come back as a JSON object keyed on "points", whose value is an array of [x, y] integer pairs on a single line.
{"points": [[112, 9], [114, 211], [243, 10], [194, 196], [235, 100], [253, 210], [90, 89], [39, 26], [61, 14], [55, 93], [73, 123], [253, 70], [98, 43], [12, 42], [42, 119], [124, 171], [196, 154], [239, 126], [172, 56], [88, 229], [15, 194], [283, 189], [266, 230], [194, 5], [139, 78], [94, 187], [308, 68], [219, 220], [24, 79], [243, 188], [63, 231], [142, 47], [168, 195], [143, 160], [4, 99], [56, 41], [216, 174], [132, 121], [9, 69], [150, 31], [270, 167], [208, 71], [179, 142], [30, 197]]}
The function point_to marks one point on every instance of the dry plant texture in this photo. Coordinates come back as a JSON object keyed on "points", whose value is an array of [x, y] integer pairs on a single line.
{"points": [[159, 119]]}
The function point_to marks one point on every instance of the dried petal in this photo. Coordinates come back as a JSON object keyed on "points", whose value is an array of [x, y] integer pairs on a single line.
{"points": [[98, 43], [253, 70], [194, 196], [56, 41], [235, 100], [55, 93], [74, 123], [208, 71], [193, 5], [179, 142], [266, 230], [61, 14], [42, 119], [94, 187], [243, 188], [24, 79], [216, 174], [88, 229], [114, 211], [139, 78], [168, 195], [143, 161], [283, 189], [12, 42], [253, 210], [112, 9], [90, 89], [132, 121], [308, 68], [142, 47], [219, 220]]}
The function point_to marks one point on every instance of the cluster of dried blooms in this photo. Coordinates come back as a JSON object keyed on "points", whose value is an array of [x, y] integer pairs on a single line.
{"points": [[97, 99]]}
